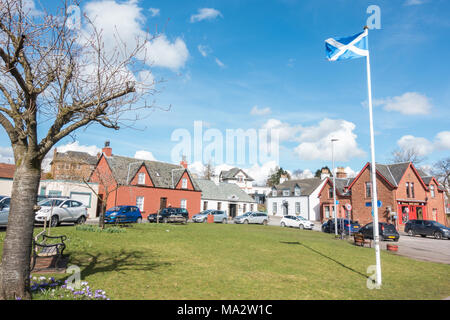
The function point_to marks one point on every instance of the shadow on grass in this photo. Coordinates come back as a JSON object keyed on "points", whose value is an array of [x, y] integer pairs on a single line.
{"points": [[117, 262], [327, 257]]}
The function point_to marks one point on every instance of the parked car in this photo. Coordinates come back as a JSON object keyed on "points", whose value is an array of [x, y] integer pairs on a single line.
{"points": [[252, 217], [4, 217], [296, 222], [386, 231], [4, 202], [219, 216], [59, 210], [427, 228], [123, 214], [343, 226], [169, 215]]}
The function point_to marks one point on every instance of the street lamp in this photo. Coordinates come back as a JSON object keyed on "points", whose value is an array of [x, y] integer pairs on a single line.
{"points": [[334, 186]]}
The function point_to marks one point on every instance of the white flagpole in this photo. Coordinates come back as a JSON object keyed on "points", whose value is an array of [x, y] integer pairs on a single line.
{"points": [[376, 234]]}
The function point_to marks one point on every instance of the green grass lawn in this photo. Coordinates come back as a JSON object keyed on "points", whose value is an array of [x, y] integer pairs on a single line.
{"points": [[203, 261]]}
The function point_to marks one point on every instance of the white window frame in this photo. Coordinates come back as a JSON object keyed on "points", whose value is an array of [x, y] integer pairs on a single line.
{"points": [[297, 192], [297, 208], [184, 183], [274, 207], [274, 192], [141, 178], [140, 204], [183, 204], [286, 193]]}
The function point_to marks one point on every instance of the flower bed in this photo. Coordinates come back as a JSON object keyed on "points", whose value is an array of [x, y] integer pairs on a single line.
{"points": [[51, 289]]}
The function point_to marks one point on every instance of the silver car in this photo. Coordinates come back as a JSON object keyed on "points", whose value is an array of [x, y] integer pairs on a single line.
{"points": [[4, 210], [219, 216], [61, 210], [252, 217]]}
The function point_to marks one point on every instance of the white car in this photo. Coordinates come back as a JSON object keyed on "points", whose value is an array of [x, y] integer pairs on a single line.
{"points": [[58, 210], [296, 222]]}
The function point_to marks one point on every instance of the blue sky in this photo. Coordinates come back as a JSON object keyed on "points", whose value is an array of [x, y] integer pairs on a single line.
{"points": [[269, 56]]}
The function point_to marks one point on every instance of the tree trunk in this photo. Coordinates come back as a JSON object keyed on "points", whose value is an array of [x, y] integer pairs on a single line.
{"points": [[15, 267], [101, 221]]}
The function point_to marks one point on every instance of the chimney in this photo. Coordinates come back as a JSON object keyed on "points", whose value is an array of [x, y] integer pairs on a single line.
{"points": [[340, 173], [183, 162], [325, 173], [283, 178], [107, 150]]}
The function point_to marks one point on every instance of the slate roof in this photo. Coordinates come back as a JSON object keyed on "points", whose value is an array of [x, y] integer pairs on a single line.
{"points": [[307, 186], [222, 191], [76, 156], [160, 172], [230, 174]]}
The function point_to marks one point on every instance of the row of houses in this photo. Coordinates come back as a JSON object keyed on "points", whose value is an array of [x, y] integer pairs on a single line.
{"points": [[405, 192]]}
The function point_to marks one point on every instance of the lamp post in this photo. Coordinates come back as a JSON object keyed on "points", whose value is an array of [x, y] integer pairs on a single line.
{"points": [[334, 186]]}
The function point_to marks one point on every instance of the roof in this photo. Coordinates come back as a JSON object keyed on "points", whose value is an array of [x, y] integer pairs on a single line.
{"points": [[222, 191], [75, 156], [307, 186], [230, 174], [7, 170], [163, 175]]}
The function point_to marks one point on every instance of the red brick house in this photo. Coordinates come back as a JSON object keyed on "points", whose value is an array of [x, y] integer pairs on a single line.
{"points": [[405, 192], [150, 185]]}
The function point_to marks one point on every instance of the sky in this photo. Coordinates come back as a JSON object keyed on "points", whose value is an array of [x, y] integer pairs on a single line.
{"points": [[256, 65]]}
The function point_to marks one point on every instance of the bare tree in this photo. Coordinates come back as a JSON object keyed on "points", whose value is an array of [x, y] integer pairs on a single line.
{"points": [[441, 171], [55, 79], [406, 155], [209, 171]]}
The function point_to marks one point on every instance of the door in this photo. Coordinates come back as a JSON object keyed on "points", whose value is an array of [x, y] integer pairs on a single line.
{"points": [[163, 203], [75, 210], [232, 210], [63, 211], [419, 213], [285, 209], [428, 228]]}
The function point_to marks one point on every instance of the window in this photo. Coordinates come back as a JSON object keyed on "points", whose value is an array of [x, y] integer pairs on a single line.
{"points": [[412, 190], [141, 178], [297, 208], [183, 203], [297, 191], [330, 193], [205, 205], [434, 214], [327, 211], [251, 207], [54, 193], [286, 193], [408, 194], [274, 192], [368, 189], [432, 191], [274, 207], [43, 189], [184, 183], [219, 205], [75, 204], [140, 203], [241, 179], [245, 207]]}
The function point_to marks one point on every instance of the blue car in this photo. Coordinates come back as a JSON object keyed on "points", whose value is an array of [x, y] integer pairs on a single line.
{"points": [[123, 214]]}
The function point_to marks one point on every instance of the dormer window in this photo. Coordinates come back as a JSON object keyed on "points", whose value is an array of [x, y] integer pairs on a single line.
{"points": [[286, 193], [184, 183], [297, 191], [274, 192], [141, 178]]}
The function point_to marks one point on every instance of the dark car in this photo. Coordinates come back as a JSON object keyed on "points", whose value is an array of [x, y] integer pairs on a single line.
{"points": [[427, 228], [343, 226], [386, 231], [169, 215], [123, 214]]}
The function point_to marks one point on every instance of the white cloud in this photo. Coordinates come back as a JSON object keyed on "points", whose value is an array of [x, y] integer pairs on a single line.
{"points": [[409, 103], [261, 172], [220, 63], [414, 2], [260, 112], [6, 155], [126, 22], [305, 174], [154, 12], [75, 146], [315, 141], [144, 155], [286, 132], [205, 14], [423, 146], [204, 50]]}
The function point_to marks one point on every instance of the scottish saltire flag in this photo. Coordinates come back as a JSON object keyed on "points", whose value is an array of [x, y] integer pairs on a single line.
{"points": [[347, 48]]}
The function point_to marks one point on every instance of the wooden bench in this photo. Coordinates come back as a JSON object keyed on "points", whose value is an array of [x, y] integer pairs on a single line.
{"points": [[361, 241], [51, 252]]}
